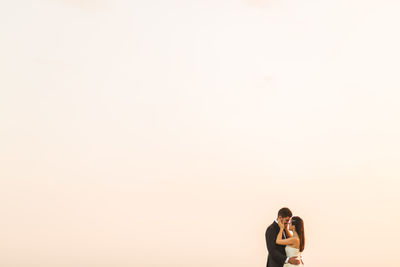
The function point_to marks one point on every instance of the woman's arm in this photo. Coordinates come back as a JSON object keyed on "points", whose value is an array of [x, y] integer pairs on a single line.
{"points": [[288, 232], [279, 240]]}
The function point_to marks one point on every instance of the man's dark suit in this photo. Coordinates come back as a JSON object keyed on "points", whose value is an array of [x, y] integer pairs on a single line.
{"points": [[276, 253]]}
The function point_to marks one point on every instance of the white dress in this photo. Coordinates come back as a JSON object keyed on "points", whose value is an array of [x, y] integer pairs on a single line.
{"points": [[292, 252]]}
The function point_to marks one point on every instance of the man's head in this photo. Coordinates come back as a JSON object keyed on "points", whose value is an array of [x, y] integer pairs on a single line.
{"points": [[284, 215]]}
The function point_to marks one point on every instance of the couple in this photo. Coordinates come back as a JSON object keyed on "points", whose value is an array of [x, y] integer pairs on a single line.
{"points": [[285, 240]]}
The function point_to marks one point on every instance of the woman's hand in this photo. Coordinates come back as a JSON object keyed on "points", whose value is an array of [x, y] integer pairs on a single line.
{"points": [[281, 225]]}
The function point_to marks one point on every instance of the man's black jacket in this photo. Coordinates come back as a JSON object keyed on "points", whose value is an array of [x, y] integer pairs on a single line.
{"points": [[276, 253]]}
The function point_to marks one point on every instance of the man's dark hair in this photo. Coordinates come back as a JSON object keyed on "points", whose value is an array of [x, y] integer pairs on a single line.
{"points": [[284, 212]]}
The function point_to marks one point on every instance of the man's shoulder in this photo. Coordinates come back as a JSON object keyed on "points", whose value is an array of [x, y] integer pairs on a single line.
{"points": [[272, 226]]}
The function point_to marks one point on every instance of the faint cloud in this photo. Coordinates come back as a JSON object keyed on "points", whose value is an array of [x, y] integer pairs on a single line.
{"points": [[89, 5], [268, 78], [259, 3], [53, 62]]}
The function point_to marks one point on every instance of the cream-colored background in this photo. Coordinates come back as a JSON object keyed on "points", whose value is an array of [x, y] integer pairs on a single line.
{"points": [[169, 133]]}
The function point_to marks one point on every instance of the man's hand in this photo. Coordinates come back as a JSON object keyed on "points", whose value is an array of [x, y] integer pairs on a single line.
{"points": [[294, 260]]}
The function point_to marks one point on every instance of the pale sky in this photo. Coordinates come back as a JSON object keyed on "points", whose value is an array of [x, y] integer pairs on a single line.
{"points": [[169, 133]]}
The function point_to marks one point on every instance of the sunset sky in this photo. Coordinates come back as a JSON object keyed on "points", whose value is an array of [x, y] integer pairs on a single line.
{"points": [[169, 133]]}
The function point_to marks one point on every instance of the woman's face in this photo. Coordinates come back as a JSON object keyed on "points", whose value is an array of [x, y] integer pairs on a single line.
{"points": [[291, 227]]}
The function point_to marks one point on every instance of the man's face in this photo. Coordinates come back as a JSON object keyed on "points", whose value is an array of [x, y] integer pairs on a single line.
{"points": [[285, 220]]}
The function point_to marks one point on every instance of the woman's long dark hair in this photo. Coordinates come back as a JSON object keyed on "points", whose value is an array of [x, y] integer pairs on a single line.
{"points": [[299, 224]]}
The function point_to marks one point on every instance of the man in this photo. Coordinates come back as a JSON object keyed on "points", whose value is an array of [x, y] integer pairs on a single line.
{"points": [[276, 253]]}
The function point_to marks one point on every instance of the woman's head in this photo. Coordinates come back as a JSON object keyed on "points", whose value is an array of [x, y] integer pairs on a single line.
{"points": [[297, 224]]}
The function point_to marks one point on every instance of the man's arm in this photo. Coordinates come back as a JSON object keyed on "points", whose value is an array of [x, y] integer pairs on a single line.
{"points": [[270, 238]]}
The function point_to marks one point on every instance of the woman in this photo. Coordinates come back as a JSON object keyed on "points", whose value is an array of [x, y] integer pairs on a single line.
{"points": [[295, 241]]}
